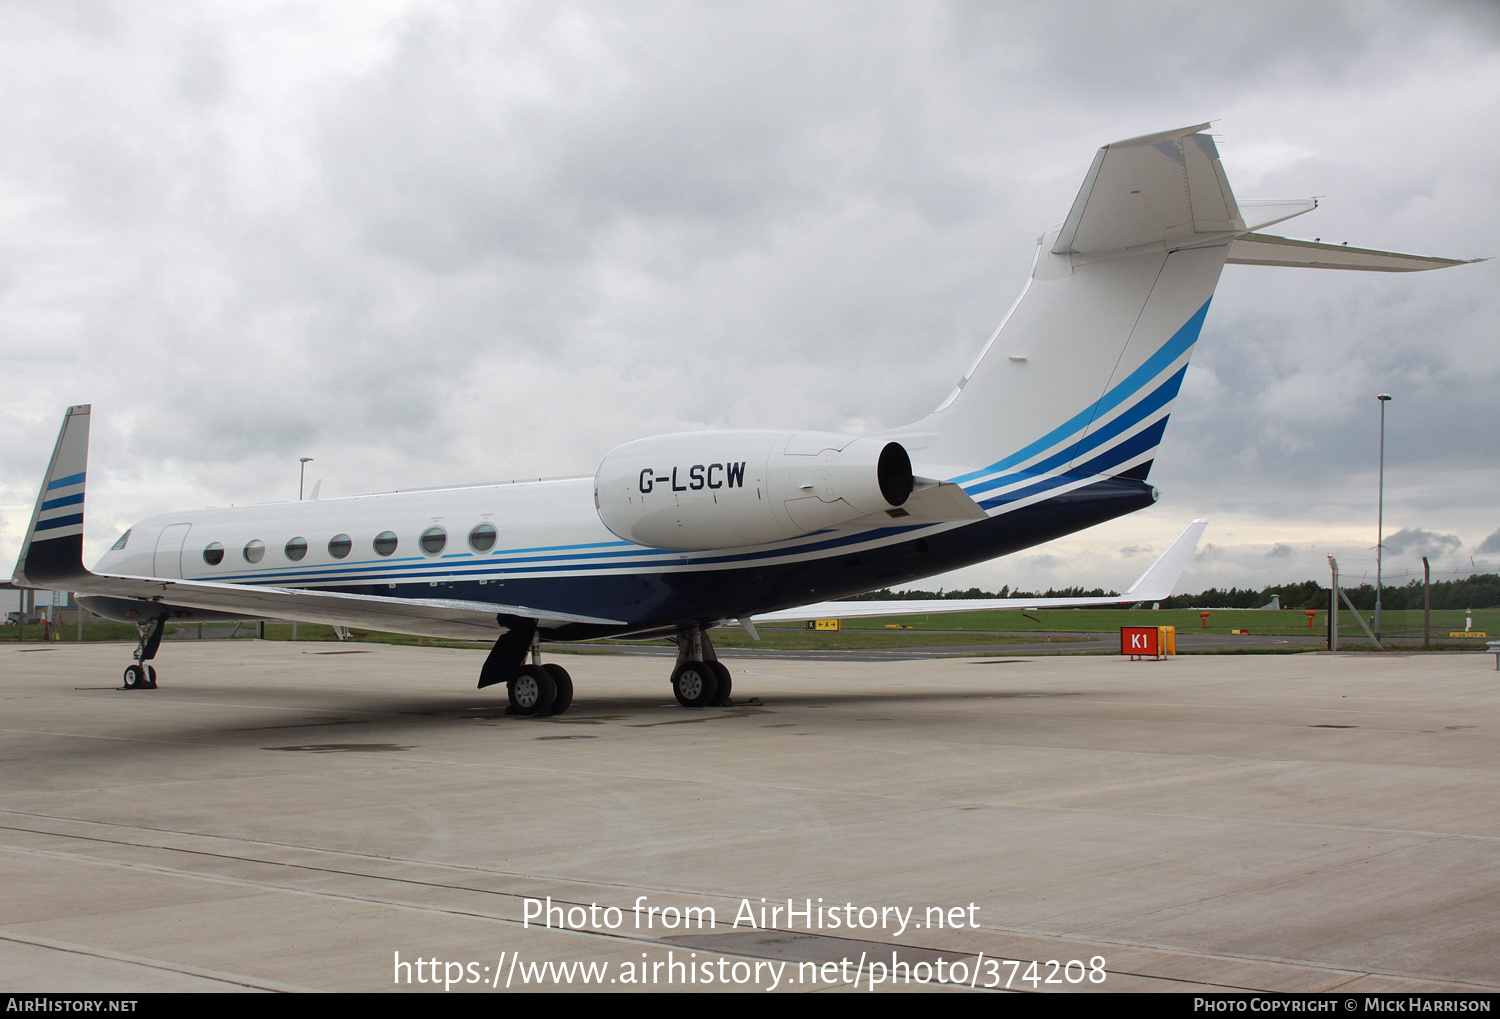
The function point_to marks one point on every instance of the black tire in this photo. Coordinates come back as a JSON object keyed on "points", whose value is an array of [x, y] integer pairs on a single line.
{"points": [[532, 691], [726, 683], [135, 677], [564, 683], [150, 677], [695, 684]]}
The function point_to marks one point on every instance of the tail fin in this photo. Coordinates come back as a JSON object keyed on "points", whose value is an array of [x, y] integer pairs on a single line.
{"points": [[1081, 374], [52, 553]]}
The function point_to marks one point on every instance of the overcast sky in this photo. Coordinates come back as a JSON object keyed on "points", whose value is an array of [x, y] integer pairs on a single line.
{"points": [[429, 243]]}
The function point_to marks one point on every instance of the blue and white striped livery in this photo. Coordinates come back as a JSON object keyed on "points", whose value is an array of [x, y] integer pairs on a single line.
{"points": [[1054, 428]]}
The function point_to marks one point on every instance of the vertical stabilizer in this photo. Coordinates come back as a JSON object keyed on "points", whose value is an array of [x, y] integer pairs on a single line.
{"points": [[53, 550], [1079, 378]]}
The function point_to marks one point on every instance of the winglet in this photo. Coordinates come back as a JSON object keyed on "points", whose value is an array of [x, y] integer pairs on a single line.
{"points": [[1161, 577], [52, 553]]}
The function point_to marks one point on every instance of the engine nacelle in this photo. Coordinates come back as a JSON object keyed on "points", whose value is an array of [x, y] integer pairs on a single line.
{"points": [[706, 490]]}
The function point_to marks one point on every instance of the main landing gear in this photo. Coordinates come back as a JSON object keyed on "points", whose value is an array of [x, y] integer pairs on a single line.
{"points": [[700, 680], [141, 676], [531, 687]]}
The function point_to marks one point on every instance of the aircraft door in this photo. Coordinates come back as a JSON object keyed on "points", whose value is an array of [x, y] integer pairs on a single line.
{"points": [[168, 559]]}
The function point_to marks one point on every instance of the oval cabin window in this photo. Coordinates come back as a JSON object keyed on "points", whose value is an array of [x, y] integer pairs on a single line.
{"points": [[482, 538]]}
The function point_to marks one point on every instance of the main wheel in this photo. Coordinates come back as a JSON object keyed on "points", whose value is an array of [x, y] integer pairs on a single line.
{"points": [[150, 677], [696, 684], [726, 683], [564, 684], [135, 677], [532, 691]]}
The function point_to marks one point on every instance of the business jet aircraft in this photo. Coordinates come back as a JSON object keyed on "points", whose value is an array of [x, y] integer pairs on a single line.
{"points": [[1054, 428]]}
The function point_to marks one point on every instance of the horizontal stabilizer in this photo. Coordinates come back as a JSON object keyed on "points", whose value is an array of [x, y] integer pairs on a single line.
{"points": [[1155, 584], [1161, 189], [1265, 249]]}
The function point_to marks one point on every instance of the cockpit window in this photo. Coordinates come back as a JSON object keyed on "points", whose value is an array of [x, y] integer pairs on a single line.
{"points": [[119, 544]]}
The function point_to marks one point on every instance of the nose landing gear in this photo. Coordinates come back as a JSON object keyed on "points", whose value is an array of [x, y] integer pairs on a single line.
{"points": [[141, 676]]}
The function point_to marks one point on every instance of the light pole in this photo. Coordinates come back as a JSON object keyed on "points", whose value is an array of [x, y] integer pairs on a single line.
{"points": [[1384, 399], [302, 471]]}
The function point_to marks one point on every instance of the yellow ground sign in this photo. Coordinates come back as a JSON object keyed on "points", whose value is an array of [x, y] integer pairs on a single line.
{"points": [[823, 624]]}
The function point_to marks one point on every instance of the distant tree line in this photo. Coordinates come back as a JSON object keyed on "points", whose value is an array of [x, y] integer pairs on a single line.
{"points": [[1482, 590]]}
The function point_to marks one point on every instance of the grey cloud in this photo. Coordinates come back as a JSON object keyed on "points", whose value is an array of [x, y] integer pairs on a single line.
{"points": [[1489, 545], [1415, 541], [1208, 553]]}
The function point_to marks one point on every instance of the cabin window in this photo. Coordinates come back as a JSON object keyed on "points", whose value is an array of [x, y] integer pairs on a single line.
{"points": [[213, 555], [434, 540], [339, 546], [296, 549], [482, 537], [385, 542], [119, 544], [255, 550]]}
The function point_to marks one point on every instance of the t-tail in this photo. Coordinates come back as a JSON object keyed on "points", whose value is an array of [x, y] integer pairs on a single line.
{"points": [[1078, 381]]}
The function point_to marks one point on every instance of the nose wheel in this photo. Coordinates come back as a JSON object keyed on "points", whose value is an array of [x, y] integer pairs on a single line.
{"points": [[140, 677]]}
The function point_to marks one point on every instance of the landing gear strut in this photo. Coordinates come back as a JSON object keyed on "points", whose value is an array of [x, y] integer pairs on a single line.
{"points": [[141, 676], [700, 680], [531, 688]]}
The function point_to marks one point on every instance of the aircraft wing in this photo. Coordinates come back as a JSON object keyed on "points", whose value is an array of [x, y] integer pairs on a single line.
{"points": [[1155, 584], [52, 558]]}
